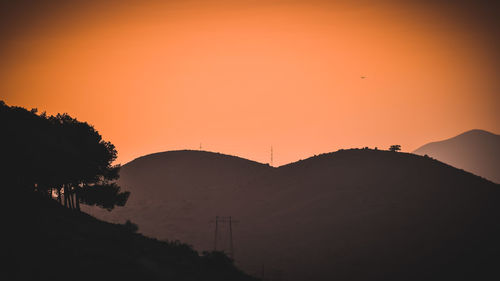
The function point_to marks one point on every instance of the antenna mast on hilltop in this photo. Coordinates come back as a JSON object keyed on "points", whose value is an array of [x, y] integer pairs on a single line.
{"points": [[271, 155]]}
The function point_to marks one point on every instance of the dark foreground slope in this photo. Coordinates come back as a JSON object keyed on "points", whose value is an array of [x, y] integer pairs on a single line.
{"points": [[46, 241], [476, 151], [349, 215]]}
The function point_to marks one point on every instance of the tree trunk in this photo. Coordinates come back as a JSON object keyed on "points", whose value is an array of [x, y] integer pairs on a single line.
{"points": [[59, 195], [65, 190], [70, 197], [77, 199]]}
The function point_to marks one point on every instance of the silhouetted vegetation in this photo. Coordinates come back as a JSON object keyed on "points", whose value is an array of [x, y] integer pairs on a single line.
{"points": [[49, 242], [130, 226], [395, 148], [58, 156]]}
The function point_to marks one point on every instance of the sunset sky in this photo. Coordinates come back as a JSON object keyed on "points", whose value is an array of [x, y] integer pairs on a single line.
{"points": [[240, 76]]}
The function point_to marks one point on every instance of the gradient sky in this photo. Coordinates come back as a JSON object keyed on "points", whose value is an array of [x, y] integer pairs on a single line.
{"points": [[162, 75]]}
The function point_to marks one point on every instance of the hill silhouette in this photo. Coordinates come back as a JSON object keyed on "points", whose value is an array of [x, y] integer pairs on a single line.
{"points": [[476, 151], [46, 241], [177, 192], [355, 214]]}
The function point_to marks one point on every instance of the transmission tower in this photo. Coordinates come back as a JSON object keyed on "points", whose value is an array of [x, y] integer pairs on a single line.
{"points": [[228, 223]]}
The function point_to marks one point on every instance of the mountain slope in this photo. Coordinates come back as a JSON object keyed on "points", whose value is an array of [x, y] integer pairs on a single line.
{"points": [[46, 241], [176, 193], [349, 215], [376, 215], [476, 151]]}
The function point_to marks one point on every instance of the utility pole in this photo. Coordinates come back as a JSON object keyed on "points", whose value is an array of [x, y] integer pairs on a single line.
{"points": [[216, 230], [263, 272], [231, 248]]}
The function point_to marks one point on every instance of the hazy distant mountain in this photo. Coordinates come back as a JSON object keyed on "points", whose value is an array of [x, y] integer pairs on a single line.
{"points": [[476, 151], [349, 215]]}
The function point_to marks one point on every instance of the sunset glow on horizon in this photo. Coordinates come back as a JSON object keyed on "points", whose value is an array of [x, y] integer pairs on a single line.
{"points": [[240, 78]]}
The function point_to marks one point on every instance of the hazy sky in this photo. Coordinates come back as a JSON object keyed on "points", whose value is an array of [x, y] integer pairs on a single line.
{"points": [[240, 76]]}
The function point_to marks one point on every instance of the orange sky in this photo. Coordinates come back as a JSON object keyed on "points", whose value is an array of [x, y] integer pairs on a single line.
{"points": [[239, 78]]}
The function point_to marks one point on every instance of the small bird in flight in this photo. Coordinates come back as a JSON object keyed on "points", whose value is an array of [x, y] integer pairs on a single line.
{"points": [[363, 77]]}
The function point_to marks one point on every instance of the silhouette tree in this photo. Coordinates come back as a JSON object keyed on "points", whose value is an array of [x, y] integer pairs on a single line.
{"points": [[90, 170], [395, 148], [61, 155]]}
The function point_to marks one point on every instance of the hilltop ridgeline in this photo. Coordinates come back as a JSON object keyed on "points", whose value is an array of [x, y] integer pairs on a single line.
{"points": [[353, 214]]}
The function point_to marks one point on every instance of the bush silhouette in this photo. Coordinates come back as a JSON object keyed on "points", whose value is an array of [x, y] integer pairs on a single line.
{"points": [[130, 226], [395, 148]]}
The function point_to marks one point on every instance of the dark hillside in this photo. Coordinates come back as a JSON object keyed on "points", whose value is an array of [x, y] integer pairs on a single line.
{"points": [[378, 215], [46, 241], [354, 214], [175, 193]]}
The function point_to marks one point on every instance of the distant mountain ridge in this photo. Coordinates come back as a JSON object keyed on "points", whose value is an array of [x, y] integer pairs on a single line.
{"points": [[477, 151], [356, 214]]}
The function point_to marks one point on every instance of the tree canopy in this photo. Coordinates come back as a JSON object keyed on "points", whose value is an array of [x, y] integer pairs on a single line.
{"points": [[395, 148], [60, 156]]}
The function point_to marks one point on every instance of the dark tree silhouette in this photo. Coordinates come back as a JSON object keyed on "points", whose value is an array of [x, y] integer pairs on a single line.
{"points": [[130, 226], [395, 147], [88, 179], [60, 156]]}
